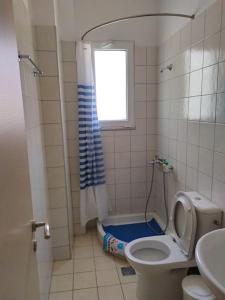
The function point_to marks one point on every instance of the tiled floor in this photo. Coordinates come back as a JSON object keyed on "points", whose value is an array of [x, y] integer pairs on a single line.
{"points": [[91, 274]]}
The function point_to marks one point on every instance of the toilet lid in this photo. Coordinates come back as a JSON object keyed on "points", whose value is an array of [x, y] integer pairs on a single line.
{"points": [[183, 222]]}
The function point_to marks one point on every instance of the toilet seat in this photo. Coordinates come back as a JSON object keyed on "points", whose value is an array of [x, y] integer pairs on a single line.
{"points": [[183, 223]]}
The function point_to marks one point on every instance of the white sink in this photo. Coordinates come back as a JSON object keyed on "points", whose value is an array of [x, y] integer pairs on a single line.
{"points": [[210, 257]]}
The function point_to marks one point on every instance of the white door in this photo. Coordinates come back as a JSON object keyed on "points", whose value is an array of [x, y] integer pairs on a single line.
{"points": [[18, 267]]}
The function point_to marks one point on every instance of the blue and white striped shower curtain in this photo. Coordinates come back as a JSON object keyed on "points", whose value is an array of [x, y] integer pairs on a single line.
{"points": [[93, 195]]}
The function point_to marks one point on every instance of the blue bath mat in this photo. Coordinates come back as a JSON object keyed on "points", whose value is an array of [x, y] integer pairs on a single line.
{"points": [[130, 232]]}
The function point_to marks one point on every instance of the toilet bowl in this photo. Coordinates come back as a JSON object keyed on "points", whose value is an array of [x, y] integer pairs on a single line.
{"points": [[161, 262]]}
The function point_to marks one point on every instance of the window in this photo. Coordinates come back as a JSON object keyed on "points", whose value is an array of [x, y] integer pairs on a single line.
{"points": [[114, 68]]}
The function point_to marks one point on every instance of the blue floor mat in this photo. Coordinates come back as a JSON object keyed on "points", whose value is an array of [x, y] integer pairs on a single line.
{"points": [[130, 232]]}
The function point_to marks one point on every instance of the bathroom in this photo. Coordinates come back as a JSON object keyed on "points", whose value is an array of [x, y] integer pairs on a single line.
{"points": [[173, 140]]}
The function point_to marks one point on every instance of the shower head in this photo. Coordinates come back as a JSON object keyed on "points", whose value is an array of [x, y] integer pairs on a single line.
{"points": [[169, 67]]}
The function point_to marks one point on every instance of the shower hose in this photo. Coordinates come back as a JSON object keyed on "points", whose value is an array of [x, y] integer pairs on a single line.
{"points": [[148, 201]]}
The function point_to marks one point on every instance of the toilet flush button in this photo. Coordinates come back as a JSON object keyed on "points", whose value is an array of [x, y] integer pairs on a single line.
{"points": [[197, 198]]}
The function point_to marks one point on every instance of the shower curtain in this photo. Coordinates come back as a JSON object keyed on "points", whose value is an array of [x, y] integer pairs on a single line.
{"points": [[93, 195]]}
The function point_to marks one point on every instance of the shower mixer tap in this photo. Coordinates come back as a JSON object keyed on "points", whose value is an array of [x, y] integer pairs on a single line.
{"points": [[162, 163]]}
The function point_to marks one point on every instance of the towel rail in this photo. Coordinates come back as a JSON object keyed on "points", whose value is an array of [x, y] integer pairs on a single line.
{"points": [[37, 71]]}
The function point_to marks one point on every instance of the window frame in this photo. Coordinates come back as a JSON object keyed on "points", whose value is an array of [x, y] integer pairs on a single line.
{"points": [[127, 46]]}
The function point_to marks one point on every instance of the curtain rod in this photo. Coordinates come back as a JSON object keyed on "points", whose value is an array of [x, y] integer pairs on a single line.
{"points": [[134, 17]]}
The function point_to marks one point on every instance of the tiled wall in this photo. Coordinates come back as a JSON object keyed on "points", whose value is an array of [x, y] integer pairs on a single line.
{"points": [[191, 105], [46, 50], [126, 151], [70, 94]]}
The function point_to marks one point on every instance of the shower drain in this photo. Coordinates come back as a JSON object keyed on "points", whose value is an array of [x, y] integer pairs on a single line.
{"points": [[127, 271]]}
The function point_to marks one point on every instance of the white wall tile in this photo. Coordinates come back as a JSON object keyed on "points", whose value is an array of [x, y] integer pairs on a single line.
{"points": [[54, 156], [123, 190], [209, 81], [222, 46], [211, 50], [192, 156], [220, 108], [206, 135], [206, 161], [53, 134], [49, 88], [193, 133], [68, 51], [138, 159], [122, 175], [192, 179], [59, 217], [194, 108], [152, 55], [182, 152], [197, 56], [220, 138], [152, 74], [205, 185], [140, 74], [122, 160], [208, 108], [108, 144], [109, 159], [140, 92], [219, 166], [45, 38], [138, 174], [140, 56], [69, 71], [138, 143], [122, 143], [218, 192], [47, 62], [221, 78], [51, 111], [56, 177], [196, 83], [57, 197]]}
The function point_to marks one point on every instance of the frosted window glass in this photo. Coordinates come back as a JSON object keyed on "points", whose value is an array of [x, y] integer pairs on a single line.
{"points": [[111, 84]]}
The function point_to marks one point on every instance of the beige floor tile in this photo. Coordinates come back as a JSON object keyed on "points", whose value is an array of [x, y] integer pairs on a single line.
{"points": [[104, 263], [110, 293], [83, 252], [126, 279], [61, 283], [85, 294], [61, 296], [107, 277], [84, 265], [62, 267], [98, 250], [82, 241], [120, 262], [84, 280], [129, 291]]}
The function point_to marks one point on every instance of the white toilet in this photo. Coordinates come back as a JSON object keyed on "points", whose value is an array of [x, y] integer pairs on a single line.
{"points": [[161, 262]]}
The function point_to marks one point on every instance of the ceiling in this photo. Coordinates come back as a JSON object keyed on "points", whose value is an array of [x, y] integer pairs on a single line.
{"points": [[77, 16]]}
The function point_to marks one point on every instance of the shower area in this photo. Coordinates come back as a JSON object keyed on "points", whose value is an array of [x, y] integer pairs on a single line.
{"points": [[174, 142]]}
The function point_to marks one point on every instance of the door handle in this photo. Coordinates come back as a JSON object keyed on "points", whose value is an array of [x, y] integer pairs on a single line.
{"points": [[36, 225]]}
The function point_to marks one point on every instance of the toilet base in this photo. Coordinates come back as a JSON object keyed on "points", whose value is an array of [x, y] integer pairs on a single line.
{"points": [[161, 286]]}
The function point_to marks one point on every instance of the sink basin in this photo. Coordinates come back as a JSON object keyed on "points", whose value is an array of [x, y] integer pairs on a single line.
{"points": [[210, 258]]}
